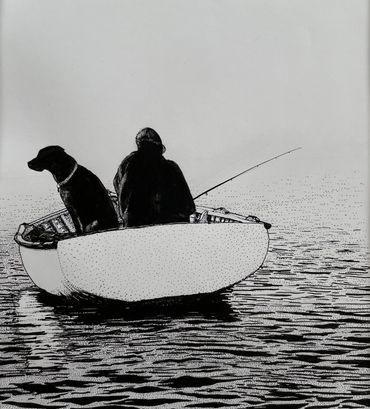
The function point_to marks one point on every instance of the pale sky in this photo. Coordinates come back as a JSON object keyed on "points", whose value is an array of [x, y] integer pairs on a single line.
{"points": [[226, 83]]}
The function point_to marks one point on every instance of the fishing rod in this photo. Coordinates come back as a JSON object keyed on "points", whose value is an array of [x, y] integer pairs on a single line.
{"points": [[244, 171]]}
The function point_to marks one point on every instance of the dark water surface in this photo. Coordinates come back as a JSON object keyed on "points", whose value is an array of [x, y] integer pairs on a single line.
{"points": [[294, 335]]}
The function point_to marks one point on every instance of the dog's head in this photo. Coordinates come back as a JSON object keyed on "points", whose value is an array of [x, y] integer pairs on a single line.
{"points": [[48, 158]]}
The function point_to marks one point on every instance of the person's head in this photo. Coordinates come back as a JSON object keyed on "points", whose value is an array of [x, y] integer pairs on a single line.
{"points": [[147, 139]]}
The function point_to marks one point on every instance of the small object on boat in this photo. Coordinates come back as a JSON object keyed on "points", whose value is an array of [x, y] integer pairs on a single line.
{"points": [[203, 218], [143, 263], [252, 218]]}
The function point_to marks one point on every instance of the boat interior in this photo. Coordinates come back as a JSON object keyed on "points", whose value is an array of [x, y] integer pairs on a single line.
{"points": [[48, 230]]}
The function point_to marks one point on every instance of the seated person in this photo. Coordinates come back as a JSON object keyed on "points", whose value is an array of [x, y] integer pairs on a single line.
{"points": [[150, 188]]}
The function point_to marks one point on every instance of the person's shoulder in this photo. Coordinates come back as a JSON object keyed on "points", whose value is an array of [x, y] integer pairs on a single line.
{"points": [[174, 169], [129, 158], [172, 164]]}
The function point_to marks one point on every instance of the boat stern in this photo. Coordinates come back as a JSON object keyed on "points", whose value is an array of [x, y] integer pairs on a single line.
{"points": [[41, 263]]}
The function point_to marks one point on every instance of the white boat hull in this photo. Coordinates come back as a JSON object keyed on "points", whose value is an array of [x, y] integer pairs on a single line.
{"points": [[151, 262]]}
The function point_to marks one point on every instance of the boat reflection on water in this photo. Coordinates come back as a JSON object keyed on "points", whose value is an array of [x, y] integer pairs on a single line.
{"points": [[62, 336], [39, 331], [75, 351], [214, 306]]}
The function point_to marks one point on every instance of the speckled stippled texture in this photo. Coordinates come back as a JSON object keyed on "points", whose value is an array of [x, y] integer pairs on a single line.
{"points": [[161, 261]]}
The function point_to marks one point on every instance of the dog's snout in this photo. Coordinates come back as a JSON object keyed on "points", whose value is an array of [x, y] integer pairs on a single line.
{"points": [[32, 164]]}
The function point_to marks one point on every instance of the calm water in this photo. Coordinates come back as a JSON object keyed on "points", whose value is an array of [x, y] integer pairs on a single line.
{"points": [[294, 335]]}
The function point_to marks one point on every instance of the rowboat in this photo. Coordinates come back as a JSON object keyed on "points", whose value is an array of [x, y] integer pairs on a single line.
{"points": [[215, 250]]}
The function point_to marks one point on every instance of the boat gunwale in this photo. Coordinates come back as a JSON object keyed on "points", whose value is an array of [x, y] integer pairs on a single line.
{"points": [[212, 213]]}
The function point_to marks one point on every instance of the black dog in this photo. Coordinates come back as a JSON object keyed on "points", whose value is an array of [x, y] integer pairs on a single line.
{"points": [[83, 194]]}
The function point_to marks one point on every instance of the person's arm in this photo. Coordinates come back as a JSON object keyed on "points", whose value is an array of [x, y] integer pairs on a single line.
{"points": [[118, 183], [121, 171], [185, 203]]}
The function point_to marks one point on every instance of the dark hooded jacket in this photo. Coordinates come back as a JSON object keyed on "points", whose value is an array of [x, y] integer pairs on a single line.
{"points": [[152, 189]]}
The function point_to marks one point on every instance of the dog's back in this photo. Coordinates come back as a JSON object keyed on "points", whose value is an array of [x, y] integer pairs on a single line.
{"points": [[88, 202]]}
